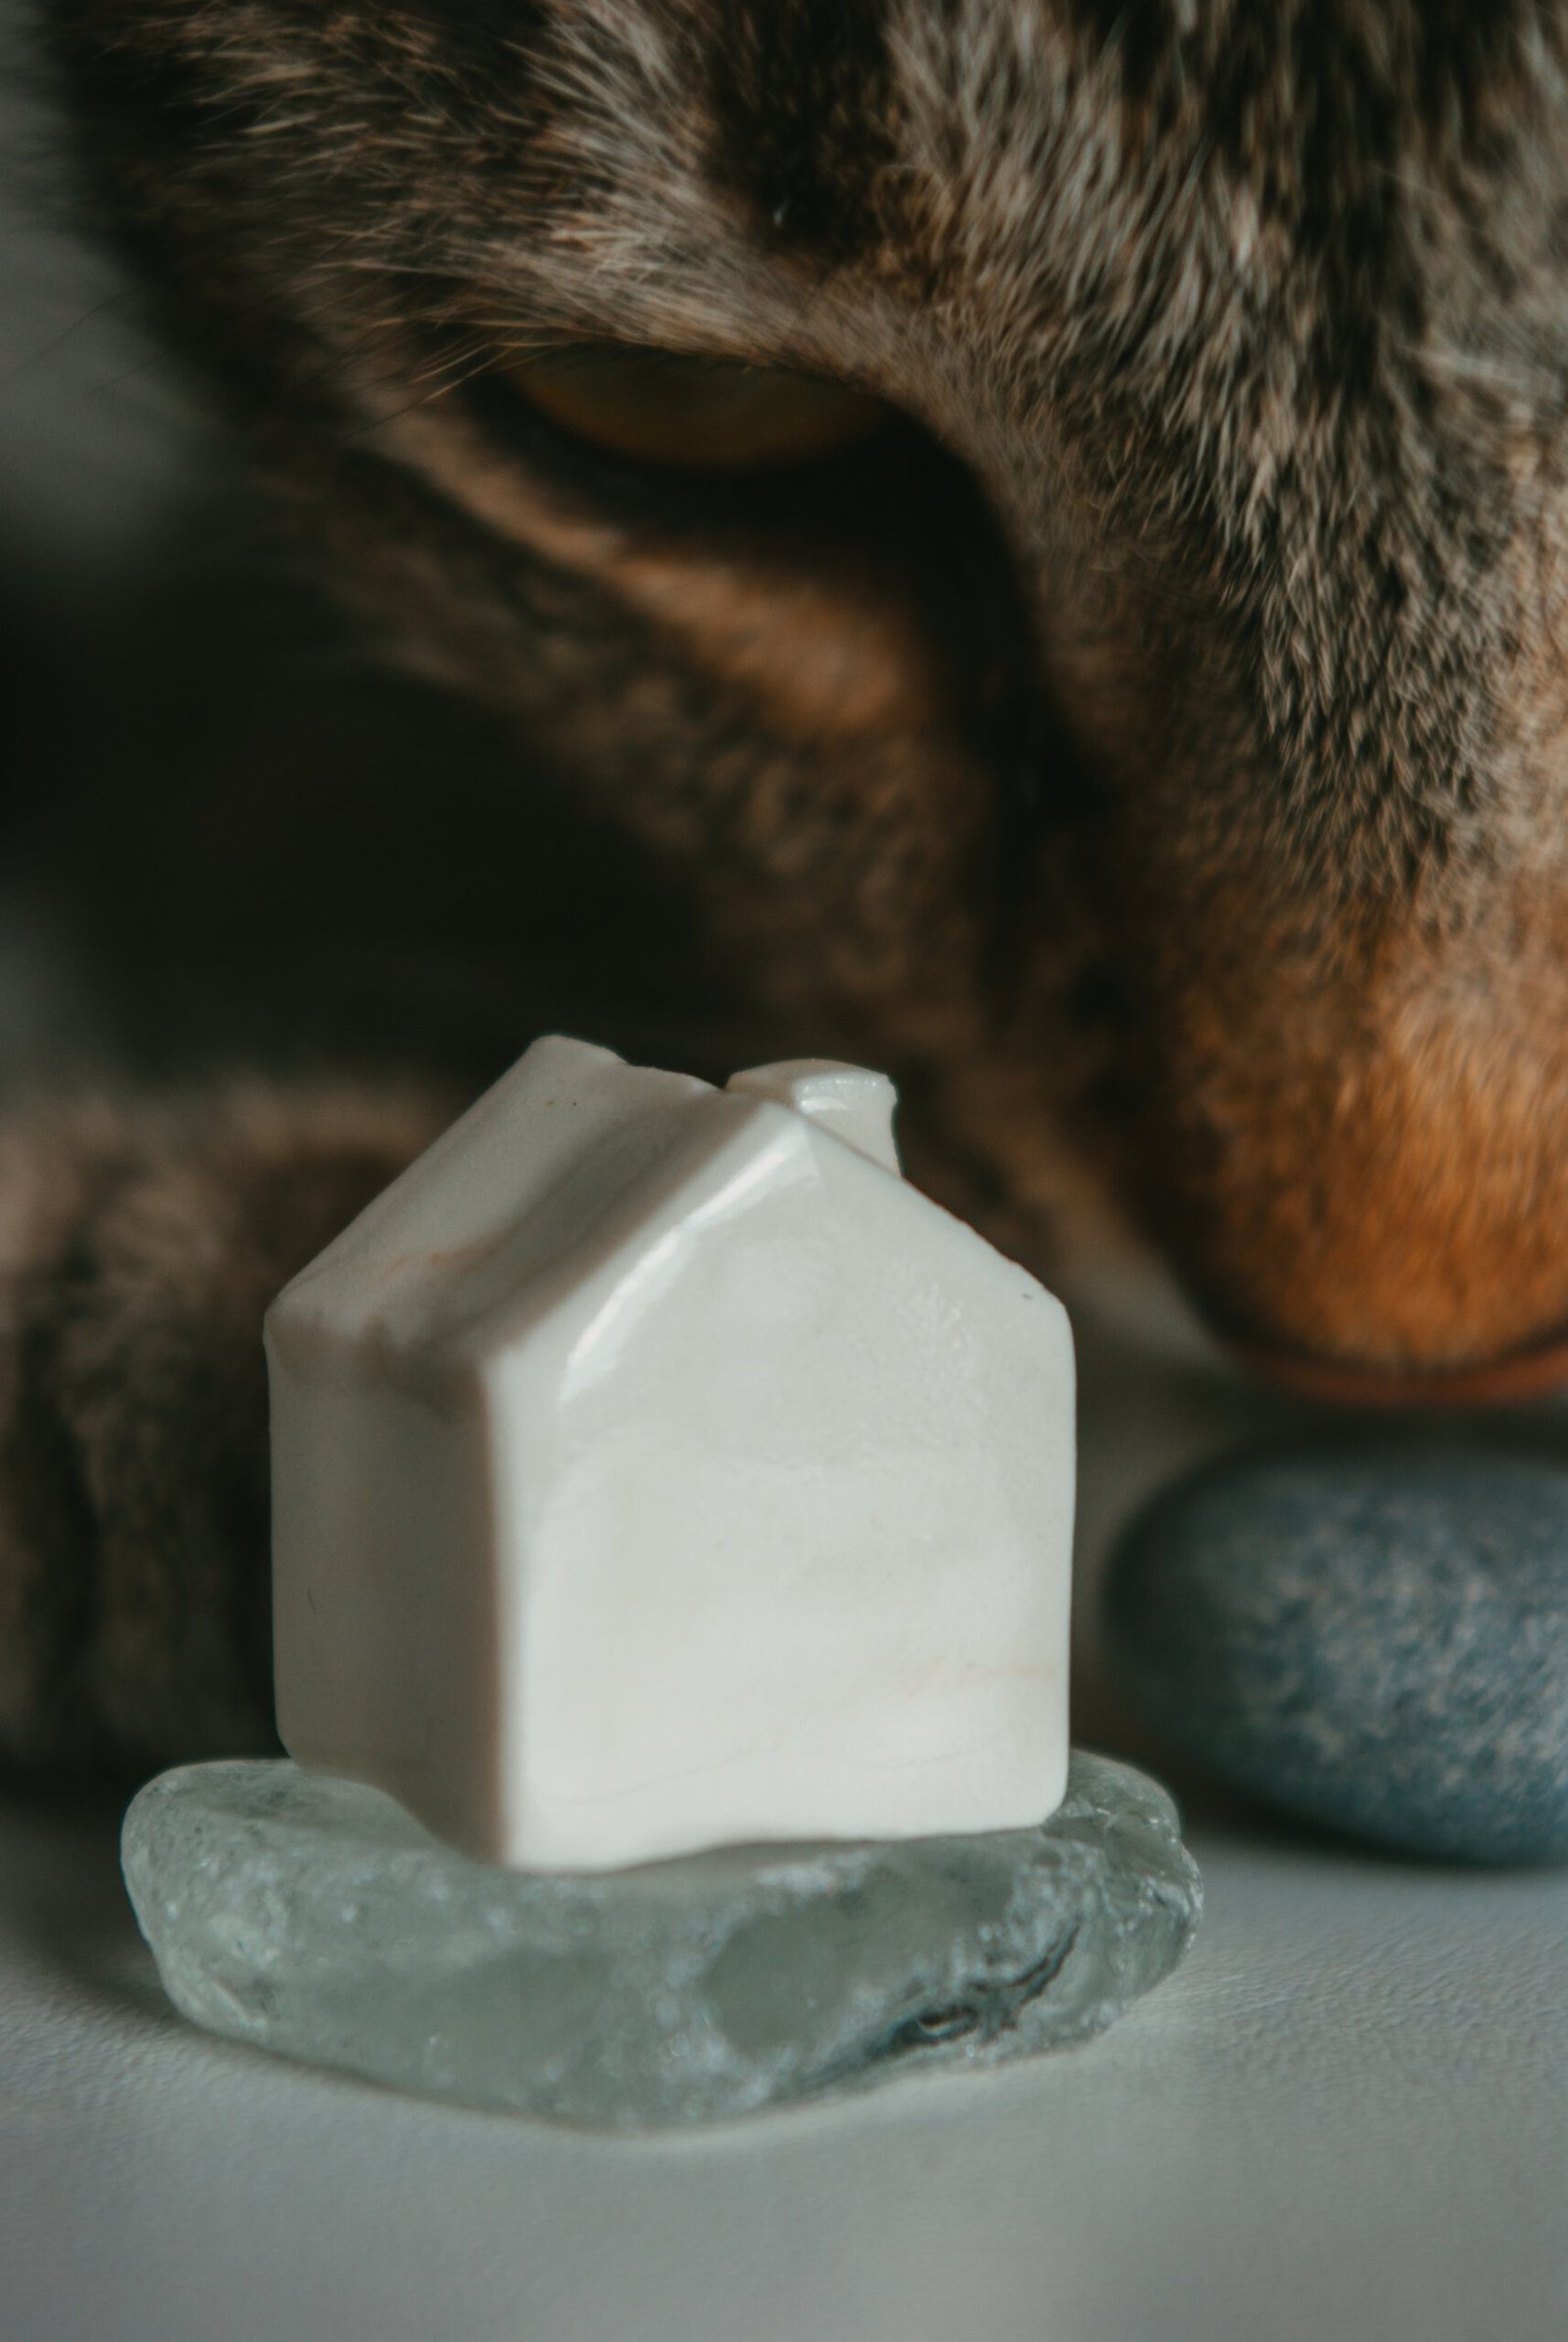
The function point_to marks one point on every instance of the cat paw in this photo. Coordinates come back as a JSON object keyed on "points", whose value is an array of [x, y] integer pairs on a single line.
{"points": [[139, 1247]]}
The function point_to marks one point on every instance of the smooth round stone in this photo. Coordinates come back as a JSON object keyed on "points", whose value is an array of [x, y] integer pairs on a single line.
{"points": [[311, 1915], [1379, 1644]]}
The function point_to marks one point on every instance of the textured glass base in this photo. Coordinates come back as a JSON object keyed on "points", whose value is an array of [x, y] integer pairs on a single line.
{"points": [[311, 1915]]}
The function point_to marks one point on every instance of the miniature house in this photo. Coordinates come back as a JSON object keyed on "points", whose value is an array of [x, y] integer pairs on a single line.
{"points": [[653, 1468]]}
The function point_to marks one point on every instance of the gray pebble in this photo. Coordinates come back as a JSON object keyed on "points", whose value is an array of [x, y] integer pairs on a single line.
{"points": [[1376, 1643]]}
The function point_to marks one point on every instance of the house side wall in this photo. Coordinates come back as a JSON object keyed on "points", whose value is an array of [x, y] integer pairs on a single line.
{"points": [[383, 1594], [798, 1507]]}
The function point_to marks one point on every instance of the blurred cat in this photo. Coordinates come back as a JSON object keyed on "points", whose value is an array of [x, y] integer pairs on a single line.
{"points": [[1042, 519]]}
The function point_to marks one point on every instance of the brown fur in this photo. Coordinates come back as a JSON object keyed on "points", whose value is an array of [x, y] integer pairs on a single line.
{"points": [[1151, 750], [139, 1247]]}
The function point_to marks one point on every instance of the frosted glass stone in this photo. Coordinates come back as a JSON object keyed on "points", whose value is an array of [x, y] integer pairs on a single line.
{"points": [[314, 1917], [655, 1469]]}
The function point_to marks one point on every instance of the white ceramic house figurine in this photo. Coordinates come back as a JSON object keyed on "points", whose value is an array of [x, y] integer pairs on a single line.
{"points": [[653, 1468]]}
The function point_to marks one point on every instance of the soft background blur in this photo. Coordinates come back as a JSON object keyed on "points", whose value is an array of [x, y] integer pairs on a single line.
{"points": [[99, 455], [145, 628], [217, 811], [96, 442], [149, 628]]}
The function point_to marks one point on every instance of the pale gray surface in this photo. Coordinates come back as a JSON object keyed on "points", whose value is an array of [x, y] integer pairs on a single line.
{"points": [[1344, 2119], [295, 1911]]}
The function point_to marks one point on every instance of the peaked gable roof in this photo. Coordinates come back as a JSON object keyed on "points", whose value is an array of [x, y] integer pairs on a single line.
{"points": [[572, 1160]]}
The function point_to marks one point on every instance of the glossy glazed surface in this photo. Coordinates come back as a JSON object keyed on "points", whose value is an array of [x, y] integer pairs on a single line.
{"points": [[653, 1468]]}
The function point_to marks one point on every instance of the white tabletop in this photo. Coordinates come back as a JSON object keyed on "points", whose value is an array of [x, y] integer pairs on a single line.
{"points": [[1347, 2117]]}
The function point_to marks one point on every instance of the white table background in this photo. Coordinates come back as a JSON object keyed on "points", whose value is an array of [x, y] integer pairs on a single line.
{"points": [[1347, 2117], [1345, 2120]]}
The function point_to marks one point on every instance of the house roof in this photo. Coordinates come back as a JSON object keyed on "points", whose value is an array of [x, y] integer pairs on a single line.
{"points": [[571, 1162]]}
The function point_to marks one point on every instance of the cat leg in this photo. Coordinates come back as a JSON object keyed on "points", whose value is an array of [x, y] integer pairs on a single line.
{"points": [[140, 1245]]}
